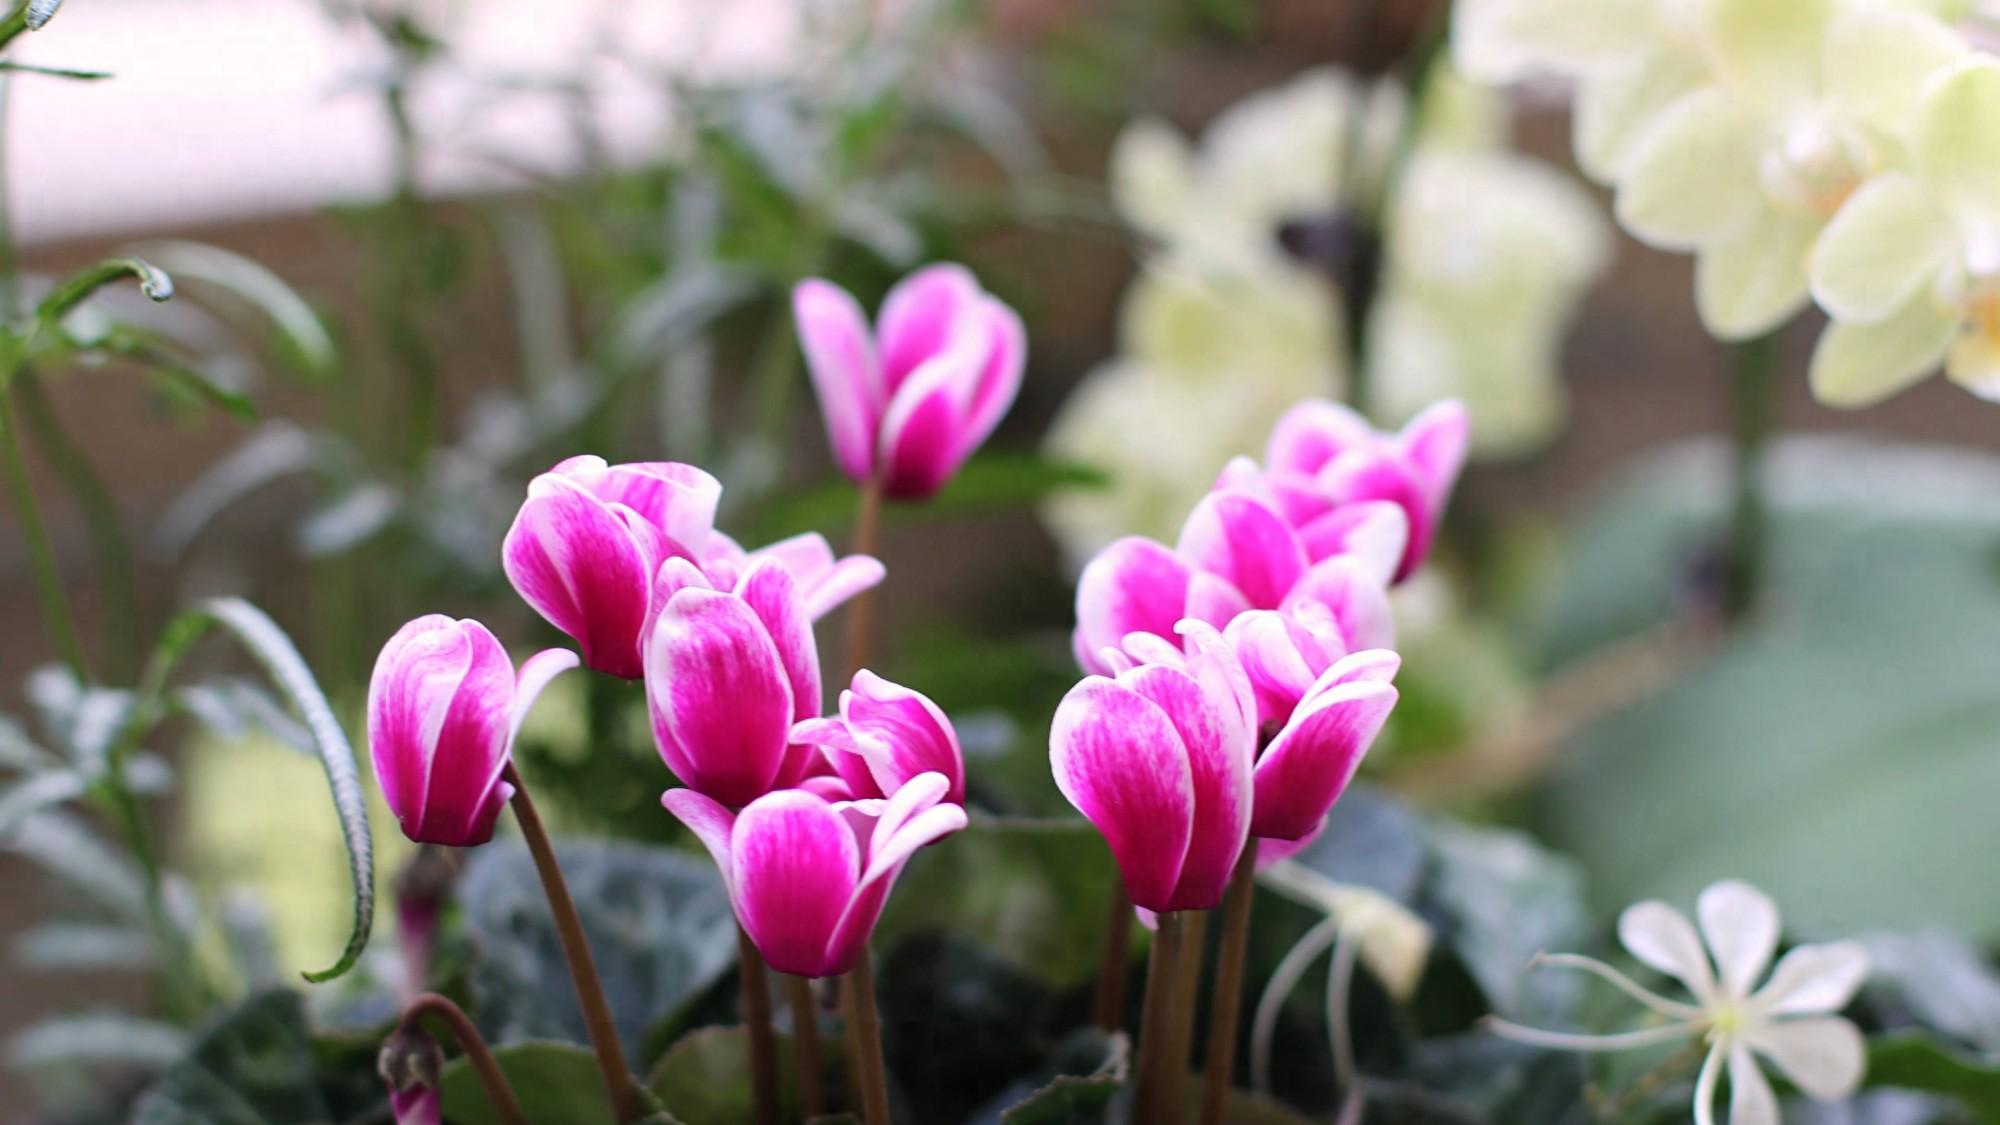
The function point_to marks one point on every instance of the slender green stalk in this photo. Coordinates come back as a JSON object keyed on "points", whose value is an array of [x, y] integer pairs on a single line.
{"points": [[1753, 388], [1108, 1001], [1187, 1002], [499, 1094], [13, 25], [56, 611], [805, 1046], [117, 572], [1227, 1000], [761, 1043], [860, 611], [1150, 1085], [864, 1043], [625, 1101]]}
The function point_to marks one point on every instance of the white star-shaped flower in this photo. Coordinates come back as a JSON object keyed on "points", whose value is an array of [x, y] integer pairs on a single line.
{"points": [[1789, 1022]]}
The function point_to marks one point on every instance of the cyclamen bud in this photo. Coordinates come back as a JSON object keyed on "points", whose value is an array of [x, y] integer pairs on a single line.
{"points": [[411, 1064]]}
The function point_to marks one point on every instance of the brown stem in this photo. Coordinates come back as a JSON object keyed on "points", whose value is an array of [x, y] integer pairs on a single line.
{"points": [[576, 953], [864, 1043], [1227, 999], [499, 1094], [1156, 1023], [1187, 998], [860, 611], [1108, 1003], [805, 1046], [757, 1022]]}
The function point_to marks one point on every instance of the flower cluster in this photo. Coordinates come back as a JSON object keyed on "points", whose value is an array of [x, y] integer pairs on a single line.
{"points": [[1837, 151], [1238, 677]]}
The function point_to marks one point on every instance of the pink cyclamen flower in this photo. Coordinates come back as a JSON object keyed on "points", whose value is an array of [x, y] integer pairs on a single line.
{"points": [[808, 877], [1320, 709], [887, 735], [1324, 457], [444, 706], [585, 546], [1237, 553], [908, 402], [1159, 759], [728, 671], [590, 539]]}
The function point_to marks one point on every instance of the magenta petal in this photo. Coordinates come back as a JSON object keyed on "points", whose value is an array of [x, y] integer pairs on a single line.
{"points": [[884, 865], [1347, 595], [408, 694], [794, 863], [921, 446], [771, 592], [921, 317], [1375, 533], [719, 694], [577, 562], [418, 1105], [844, 753], [840, 354], [537, 672], [1435, 442], [443, 714], [1218, 749], [852, 575], [1120, 761], [1271, 851], [1215, 600], [1313, 433], [1132, 586], [678, 499], [1368, 475], [1282, 656], [712, 824], [808, 556], [999, 379], [1239, 538], [1239, 474], [914, 732], [1307, 767]]}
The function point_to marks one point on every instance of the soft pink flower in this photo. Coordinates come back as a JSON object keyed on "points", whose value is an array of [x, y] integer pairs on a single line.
{"points": [[1304, 769], [1237, 553], [1159, 758], [585, 546], [886, 736], [1323, 458], [444, 705], [418, 1105], [808, 877], [909, 401], [590, 539], [728, 671]]}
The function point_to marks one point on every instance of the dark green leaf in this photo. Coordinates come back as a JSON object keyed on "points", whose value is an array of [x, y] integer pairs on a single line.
{"points": [[659, 926], [705, 1076], [556, 1084], [69, 850], [1943, 981], [1508, 899], [202, 388], [1916, 1061], [254, 1064], [1076, 1095], [1371, 840]]}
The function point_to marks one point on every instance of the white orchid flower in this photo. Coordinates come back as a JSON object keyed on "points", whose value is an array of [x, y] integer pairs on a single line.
{"points": [[1910, 268], [1788, 1022]]}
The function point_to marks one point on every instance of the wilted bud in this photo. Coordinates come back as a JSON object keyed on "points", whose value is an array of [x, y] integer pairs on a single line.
{"points": [[411, 1064]]}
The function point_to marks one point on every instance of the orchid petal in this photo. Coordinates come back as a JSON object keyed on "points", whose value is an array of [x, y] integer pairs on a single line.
{"points": [[1886, 244], [1694, 177], [1857, 365], [1755, 279]]}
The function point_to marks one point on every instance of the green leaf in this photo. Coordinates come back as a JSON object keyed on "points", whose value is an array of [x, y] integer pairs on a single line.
{"points": [[202, 388], [24, 799], [254, 1065], [1073, 1095], [556, 1084], [84, 946], [54, 71], [1835, 751], [658, 921], [1509, 899], [705, 1075], [1916, 1061], [1942, 980], [304, 336], [77, 287], [265, 641], [1371, 840], [1032, 891], [97, 1038], [61, 844]]}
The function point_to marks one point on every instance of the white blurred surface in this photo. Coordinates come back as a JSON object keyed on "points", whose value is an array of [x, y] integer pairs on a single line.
{"points": [[221, 109]]}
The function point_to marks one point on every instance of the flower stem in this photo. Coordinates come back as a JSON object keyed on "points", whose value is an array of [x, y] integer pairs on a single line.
{"points": [[48, 578], [1108, 1002], [1227, 999], [805, 1046], [576, 953], [1187, 999], [500, 1095], [1753, 386], [763, 1046], [864, 1043], [860, 611], [1149, 1106]]}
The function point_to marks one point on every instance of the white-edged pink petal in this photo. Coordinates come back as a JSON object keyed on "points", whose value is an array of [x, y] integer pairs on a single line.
{"points": [[580, 564], [1121, 762], [720, 696], [846, 375], [1373, 533], [1219, 747], [1132, 586], [920, 444], [710, 822], [999, 381], [773, 594], [1309, 764], [1315, 432], [1346, 595], [1435, 441], [794, 863], [923, 315], [1243, 540]]}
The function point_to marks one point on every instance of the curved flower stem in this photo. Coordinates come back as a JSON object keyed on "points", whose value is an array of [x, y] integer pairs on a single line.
{"points": [[864, 1043], [1227, 1000], [1108, 1002], [500, 1095], [576, 953], [860, 611], [48, 577], [1753, 387], [1149, 1105], [763, 1046], [1339, 1028], [1187, 1002], [805, 1046]]}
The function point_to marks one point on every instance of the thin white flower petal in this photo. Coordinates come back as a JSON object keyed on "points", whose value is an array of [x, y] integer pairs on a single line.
{"points": [[1751, 1101], [1705, 1083], [1566, 1041], [1814, 978], [1663, 938], [1740, 924], [1822, 1055], [1673, 1009]]}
